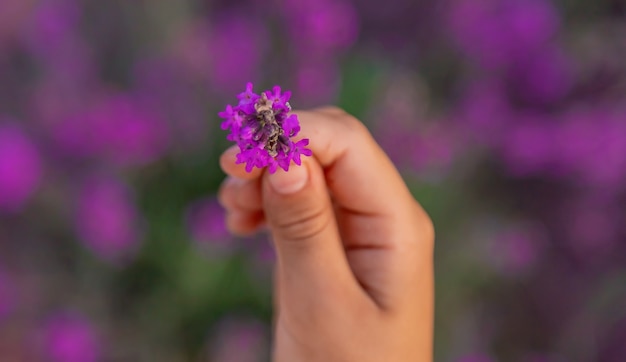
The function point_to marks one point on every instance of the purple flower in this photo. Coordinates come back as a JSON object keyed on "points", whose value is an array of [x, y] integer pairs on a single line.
{"points": [[70, 338], [232, 118], [247, 98], [299, 149], [280, 99], [20, 168], [291, 126], [262, 128], [107, 220]]}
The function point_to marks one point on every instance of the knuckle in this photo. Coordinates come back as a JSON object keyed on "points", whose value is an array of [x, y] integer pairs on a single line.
{"points": [[353, 125], [425, 227], [248, 196], [420, 240], [225, 197], [428, 229], [227, 193], [350, 122], [332, 110], [242, 223], [296, 227], [319, 314], [233, 223]]}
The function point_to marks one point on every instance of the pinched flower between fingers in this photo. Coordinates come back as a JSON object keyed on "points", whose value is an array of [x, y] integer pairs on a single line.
{"points": [[263, 128]]}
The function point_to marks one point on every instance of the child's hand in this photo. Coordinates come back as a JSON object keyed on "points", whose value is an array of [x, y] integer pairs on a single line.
{"points": [[354, 279]]}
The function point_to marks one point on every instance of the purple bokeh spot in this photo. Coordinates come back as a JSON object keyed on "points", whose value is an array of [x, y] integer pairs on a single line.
{"points": [[576, 138], [107, 220], [116, 129], [529, 146], [321, 26], [20, 168], [545, 78], [51, 37], [435, 149], [516, 250], [606, 165], [162, 85], [237, 45], [71, 338], [592, 227], [316, 83], [497, 33], [484, 111], [592, 146], [52, 26], [206, 223], [334, 25]]}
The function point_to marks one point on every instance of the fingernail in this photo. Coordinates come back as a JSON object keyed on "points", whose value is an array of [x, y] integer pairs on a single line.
{"points": [[289, 182]]}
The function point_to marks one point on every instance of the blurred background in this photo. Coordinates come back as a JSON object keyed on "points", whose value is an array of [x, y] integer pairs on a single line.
{"points": [[506, 117]]}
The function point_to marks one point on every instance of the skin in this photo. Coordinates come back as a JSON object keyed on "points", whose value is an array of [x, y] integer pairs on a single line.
{"points": [[354, 273]]}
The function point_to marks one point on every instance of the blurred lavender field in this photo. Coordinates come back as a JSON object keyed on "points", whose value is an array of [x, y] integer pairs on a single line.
{"points": [[511, 116]]}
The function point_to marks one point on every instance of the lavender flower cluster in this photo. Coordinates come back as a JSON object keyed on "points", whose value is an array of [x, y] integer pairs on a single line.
{"points": [[263, 129]]}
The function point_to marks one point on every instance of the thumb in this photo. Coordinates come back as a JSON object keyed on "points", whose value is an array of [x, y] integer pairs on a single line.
{"points": [[300, 216]]}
